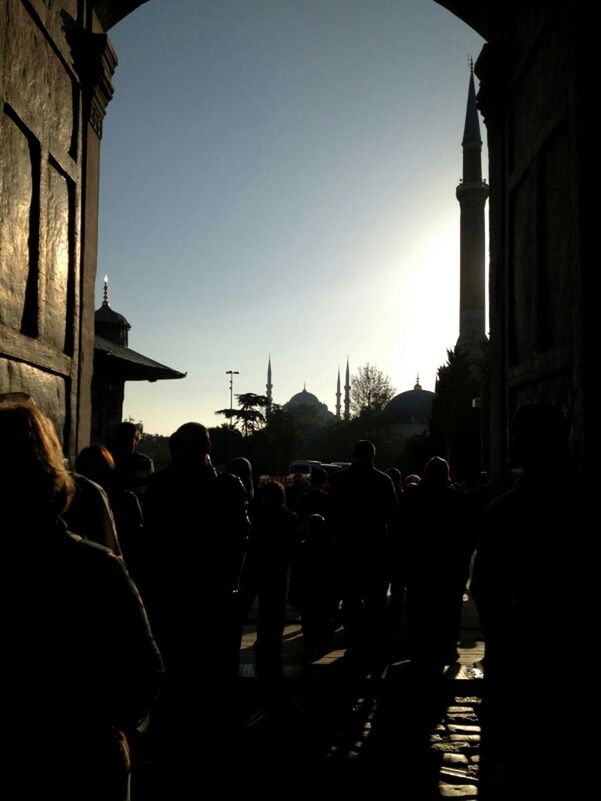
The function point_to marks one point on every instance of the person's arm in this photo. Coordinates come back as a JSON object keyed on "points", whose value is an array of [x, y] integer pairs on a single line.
{"points": [[90, 515], [133, 668]]}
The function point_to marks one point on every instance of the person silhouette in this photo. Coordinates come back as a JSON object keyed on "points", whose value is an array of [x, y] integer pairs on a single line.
{"points": [[535, 583], [78, 654], [363, 504], [196, 530]]}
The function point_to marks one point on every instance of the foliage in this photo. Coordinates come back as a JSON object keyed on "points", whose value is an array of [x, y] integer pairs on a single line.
{"points": [[456, 427], [249, 417], [371, 390], [275, 445], [157, 447]]}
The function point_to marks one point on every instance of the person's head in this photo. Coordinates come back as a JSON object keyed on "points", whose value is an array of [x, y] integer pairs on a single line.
{"points": [[242, 468], [273, 494], [437, 470], [34, 479], [540, 436], [364, 451], [126, 436], [190, 445], [411, 480], [97, 464]]}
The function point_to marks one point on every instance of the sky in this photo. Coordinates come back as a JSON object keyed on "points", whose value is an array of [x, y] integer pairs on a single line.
{"points": [[278, 177]]}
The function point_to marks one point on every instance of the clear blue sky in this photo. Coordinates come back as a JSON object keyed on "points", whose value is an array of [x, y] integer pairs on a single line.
{"points": [[278, 176]]}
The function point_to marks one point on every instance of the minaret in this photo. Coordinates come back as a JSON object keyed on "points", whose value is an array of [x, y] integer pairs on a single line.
{"points": [[338, 396], [347, 392], [269, 386], [471, 194]]}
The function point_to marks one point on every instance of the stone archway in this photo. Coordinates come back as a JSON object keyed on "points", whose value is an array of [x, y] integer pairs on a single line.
{"points": [[534, 75]]}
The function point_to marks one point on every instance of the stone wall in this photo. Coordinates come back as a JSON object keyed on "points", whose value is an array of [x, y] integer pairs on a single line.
{"points": [[543, 165], [55, 68]]}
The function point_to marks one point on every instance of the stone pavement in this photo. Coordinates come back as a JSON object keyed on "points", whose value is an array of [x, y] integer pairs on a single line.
{"points": [[324, 734], [391, 733], [327, 733]]}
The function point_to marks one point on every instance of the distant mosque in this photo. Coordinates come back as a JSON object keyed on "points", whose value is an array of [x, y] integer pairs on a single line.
{"points": [[409, 412]]}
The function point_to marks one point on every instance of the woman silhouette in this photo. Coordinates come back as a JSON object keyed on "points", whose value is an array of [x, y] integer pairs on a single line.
{"points": [[80, 665]]}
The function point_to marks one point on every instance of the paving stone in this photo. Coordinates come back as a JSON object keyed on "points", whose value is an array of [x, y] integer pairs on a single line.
{"points": [[465, 738], [463, 727], [464, 791], [465, 723], [455, 759], [445, 746]]}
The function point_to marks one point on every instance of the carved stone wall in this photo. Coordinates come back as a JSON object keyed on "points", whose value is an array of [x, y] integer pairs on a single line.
{"points": [[56, 65]]}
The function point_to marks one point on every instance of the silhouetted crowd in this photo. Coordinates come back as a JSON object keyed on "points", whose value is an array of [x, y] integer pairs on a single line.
{"points": [[95, 553]]}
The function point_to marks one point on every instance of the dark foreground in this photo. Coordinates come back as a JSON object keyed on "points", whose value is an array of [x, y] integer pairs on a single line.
{"points": [[328, 733]]}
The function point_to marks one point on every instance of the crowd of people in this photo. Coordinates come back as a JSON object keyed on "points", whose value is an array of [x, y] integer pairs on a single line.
{"points": [[98, 551]]}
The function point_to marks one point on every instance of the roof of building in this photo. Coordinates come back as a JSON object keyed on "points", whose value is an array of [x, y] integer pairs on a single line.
{"points": [[107, 315], [110, 12], [307, 405], [412, 406], [130, 365], [304, 398]]}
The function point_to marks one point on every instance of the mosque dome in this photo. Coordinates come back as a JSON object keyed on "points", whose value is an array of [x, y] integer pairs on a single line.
{"points": [[107, 315], [304, 398], [411, 408], [306, 405]]}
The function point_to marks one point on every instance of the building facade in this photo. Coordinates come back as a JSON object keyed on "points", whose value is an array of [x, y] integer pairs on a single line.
{"points": [[55, 83]]}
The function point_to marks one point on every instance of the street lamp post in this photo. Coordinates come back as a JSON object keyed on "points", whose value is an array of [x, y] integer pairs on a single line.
{"points": [[231, 374]]}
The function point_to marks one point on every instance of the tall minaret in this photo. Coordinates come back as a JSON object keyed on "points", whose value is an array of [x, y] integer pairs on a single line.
{"points": [[471, 194], [347, 392], [269, 386], [338, 395]]}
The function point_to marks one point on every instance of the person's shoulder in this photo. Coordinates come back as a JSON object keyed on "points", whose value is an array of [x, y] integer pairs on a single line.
{"points": [[341, 476], [230, 485], [89, 552], [229, 481], [88, 495], [142, 460], [382, 476], [505, 504], [85, 486]]}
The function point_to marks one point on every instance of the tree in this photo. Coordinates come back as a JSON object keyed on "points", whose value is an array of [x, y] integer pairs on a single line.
{"points": [[371, 390], [455, 424], [249, 416], [275, 445]]}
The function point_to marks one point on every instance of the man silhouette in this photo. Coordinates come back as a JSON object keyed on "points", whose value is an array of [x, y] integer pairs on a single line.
{"points": [[362, 505]]}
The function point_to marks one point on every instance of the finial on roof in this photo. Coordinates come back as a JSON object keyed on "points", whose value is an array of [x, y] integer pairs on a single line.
{"points": [[471, 63], [304, 386], [417, 384], [105, 294]]}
